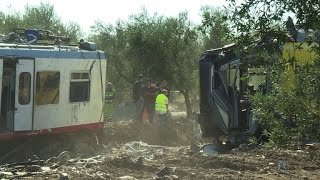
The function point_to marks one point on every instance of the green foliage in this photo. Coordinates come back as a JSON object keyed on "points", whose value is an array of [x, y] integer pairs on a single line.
{"points": [[253, 141], [291, 116], [214, 28], [156, 46], [160, 48], [41, 17], [263, 16], [290, 112], [8, 22], [113, 40]]}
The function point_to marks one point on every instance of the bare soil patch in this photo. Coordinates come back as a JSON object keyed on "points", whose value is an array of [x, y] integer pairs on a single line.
{"points": [[127, 150]]}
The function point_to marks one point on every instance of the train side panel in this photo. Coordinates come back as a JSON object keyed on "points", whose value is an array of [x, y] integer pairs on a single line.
{"points": [[66, 109]]}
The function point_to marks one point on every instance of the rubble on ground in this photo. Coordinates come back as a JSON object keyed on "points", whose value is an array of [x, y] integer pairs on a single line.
{"points": [[128, 151]]}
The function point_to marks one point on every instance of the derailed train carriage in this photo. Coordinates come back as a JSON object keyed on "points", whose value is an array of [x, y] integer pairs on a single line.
{"points": [[225, 106], [226, 91], [48, 89]]}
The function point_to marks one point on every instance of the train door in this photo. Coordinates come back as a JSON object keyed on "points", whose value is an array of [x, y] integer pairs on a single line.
{"points": [[23, 116], [7, 94]]}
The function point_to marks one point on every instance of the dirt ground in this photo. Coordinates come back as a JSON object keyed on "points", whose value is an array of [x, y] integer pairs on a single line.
{"points": [[126, 150]]}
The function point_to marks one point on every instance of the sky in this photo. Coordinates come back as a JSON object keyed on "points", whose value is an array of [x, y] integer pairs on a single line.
{"points": [[86, 12]]}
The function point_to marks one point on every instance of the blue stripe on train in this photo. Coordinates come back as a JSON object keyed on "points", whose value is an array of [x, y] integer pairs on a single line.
{"points": [[50, 53]]}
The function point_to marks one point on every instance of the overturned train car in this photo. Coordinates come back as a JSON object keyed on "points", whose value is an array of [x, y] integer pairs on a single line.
{"points": [[48, 89], [225, 104]]}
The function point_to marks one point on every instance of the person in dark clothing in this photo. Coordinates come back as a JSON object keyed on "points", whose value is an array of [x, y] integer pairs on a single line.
{"points": [[137, 95], [138, 88], [150, 95]]}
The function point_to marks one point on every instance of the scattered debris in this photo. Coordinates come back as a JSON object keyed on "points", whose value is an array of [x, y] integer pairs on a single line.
{"points": [[174, 177], [126, 178], [313, 145], [165, 171], [209, 149], [140, 161], [63, 176], [139, 158], [282, 166], [143, 150]]}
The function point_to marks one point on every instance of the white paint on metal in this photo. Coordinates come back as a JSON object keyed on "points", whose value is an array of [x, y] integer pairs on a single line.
{"points": [[65, 113], [23, 113]]}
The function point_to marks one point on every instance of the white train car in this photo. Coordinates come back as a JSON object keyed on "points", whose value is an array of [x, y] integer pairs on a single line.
{"points": [[50, 89]]}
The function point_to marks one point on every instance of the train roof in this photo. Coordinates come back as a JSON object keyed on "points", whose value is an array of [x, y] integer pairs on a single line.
{"points": [[33, 43], [48, 51], [222, 49], [222, 55]]}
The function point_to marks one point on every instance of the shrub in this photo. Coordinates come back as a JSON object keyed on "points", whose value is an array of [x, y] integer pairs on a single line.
{"points": [[290, 113]]}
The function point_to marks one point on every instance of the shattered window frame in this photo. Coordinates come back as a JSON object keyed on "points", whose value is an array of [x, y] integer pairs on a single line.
{"points": [[47, 87]]}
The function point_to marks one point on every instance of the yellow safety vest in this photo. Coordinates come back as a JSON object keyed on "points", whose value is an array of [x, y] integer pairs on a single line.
{"points": [[161, 103], [109, 98]]}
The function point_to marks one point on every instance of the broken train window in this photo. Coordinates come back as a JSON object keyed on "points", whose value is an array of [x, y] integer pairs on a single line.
{"points": [[47, 87], [79, 87]]}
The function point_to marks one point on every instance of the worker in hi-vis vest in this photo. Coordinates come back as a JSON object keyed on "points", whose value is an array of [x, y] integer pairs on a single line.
{"points": [[109, 100], [162, 103]]}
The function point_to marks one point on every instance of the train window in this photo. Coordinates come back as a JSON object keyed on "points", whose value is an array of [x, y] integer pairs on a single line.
{"points": [[47, 87], [233, 75], [79, 87], [217, 82], [75, 76], [24, 88]]}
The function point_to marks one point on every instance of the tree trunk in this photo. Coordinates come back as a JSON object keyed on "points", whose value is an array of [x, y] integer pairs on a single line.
{"points": [[188, 103]]}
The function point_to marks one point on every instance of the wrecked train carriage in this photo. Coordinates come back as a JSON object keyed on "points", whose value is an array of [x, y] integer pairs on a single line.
{"points": [[226, 84], [50, 89], [225, 104]]}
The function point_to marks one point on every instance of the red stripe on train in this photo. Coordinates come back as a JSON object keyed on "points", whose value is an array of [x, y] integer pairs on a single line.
{"points": [[59, 130]]}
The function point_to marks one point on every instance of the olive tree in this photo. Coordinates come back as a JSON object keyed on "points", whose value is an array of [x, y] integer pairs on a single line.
{"points": [[156, 46], [41, 17]]}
